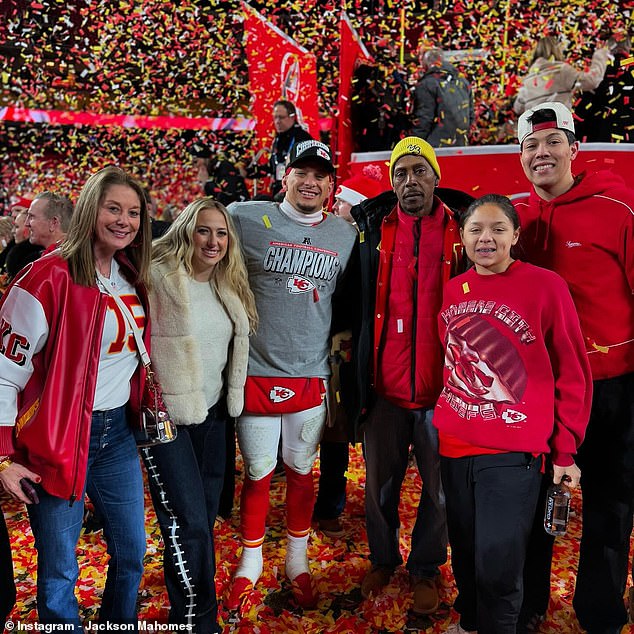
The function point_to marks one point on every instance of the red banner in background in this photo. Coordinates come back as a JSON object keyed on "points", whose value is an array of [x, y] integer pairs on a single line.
{"points": [[351, 53], [65, 117], [278, 69]]}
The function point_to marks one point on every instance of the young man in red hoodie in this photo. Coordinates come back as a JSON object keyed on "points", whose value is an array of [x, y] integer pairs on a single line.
{"points": [[582, 227]]}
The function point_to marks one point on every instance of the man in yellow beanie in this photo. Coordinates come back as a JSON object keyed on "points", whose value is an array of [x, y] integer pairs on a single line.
{"points": [[410, 246]]}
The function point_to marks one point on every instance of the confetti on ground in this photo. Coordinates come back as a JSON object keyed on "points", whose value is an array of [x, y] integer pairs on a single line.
{"points": [[338, 566]]}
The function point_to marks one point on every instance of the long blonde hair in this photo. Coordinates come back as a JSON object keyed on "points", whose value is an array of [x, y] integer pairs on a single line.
{"points": [[548, 48], [176, 247], [77, 248]]}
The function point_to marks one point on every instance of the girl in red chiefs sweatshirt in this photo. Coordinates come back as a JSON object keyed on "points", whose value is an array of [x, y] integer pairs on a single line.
{"points": [[517, 385]]}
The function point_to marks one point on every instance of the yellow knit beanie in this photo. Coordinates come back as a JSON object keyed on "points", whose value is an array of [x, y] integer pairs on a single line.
{"points": [[417, 147]]}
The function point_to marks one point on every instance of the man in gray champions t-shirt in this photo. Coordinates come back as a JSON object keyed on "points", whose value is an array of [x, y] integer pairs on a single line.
{"points": [[296, 256]]}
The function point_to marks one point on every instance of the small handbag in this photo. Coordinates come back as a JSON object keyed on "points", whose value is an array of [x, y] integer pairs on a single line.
{"points": [[155, 425]]}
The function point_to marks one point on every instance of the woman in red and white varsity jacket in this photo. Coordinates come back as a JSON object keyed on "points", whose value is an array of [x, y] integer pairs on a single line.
{"points": [[517, 386], [69, 368]]}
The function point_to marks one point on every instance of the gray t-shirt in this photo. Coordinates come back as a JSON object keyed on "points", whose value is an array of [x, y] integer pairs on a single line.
{"points": [[293, 271]]}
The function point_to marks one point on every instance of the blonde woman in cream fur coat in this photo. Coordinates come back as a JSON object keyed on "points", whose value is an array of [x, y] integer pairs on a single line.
{"points": [[202, 314]]}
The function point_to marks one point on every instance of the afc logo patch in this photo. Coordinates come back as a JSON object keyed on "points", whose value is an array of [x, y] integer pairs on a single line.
{"points": [[299, 284], [280, 394]]}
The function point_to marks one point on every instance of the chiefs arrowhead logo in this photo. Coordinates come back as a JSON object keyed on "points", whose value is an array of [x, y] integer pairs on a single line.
{"points": [[299, 284], [512, 416], [280, 394]]}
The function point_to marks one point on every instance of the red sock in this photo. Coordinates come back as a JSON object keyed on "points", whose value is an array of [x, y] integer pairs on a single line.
{"points": [[300, 499], [254, 504]]}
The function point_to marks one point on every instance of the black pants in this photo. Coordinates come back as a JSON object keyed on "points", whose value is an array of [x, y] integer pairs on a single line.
{"points": [[331, 497], [186, 478], [606, 459], [539, 555], [225, 508], [491, 502], [7, 584]]}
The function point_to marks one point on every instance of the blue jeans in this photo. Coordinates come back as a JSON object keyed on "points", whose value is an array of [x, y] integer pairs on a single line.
{"points": [[387, 435], [115, 486], [186, 478]]}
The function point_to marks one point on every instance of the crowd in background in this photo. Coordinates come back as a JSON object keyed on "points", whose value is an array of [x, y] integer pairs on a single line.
{"points": [[150, 62]]}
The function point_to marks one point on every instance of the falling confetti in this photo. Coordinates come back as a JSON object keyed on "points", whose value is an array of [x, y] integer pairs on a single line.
{"points": [[160, 58]]}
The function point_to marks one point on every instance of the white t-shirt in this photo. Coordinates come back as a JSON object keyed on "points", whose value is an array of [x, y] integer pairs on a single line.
{"points": [[119, 357]]}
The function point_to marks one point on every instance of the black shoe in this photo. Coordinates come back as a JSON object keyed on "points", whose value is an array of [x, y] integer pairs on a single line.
{"points": [[331, 527], [530, 623]]}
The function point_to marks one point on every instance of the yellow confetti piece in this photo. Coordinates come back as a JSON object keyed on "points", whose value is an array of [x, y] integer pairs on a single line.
{"points": [[603, 349], [465, 288], [361, 237], [266, 221], [627, 61]]}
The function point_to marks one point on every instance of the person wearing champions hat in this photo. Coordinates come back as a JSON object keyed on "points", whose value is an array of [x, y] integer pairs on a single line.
{"points": [[410, 248], [582, 227], [296, 257]]}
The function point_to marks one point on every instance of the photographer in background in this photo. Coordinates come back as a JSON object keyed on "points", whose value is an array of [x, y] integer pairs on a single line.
{"points": [[288, 132]]}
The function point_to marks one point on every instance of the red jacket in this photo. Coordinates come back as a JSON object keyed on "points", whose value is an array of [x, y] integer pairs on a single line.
{"points": [[51, 432], [587, 236], [424, 373]]}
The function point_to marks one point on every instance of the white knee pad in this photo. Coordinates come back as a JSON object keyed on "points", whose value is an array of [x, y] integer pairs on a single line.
{"points": [[258, 437], [301, 433]]}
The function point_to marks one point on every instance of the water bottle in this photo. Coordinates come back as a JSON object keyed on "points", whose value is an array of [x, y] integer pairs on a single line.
{"points": [[557, 509]]}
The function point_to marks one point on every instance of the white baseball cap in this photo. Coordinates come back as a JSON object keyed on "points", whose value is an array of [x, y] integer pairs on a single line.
{"points": [[564, 120]]}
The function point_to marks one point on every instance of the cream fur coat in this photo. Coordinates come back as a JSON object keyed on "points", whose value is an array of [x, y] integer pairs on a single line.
{"points": [[175, 355]]}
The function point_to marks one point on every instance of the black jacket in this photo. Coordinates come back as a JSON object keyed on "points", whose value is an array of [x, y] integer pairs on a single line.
{"points": [[225, 183], [282, 145], [19, 256], [443, 107]]}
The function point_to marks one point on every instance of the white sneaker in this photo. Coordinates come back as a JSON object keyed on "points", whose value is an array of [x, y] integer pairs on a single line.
{"points": [[456, 629]]}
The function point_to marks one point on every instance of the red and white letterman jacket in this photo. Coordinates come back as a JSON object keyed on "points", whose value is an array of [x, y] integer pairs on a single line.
{"points": [[51, 331]]}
